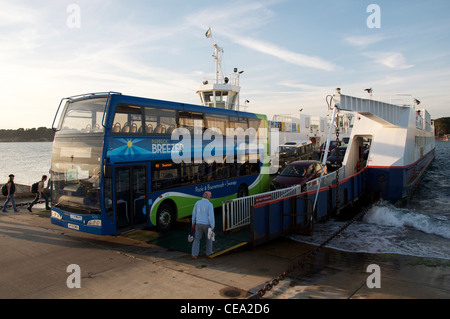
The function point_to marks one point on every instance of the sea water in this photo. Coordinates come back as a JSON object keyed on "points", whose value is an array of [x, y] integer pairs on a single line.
{"points": [[27, 161], [421, 229]]}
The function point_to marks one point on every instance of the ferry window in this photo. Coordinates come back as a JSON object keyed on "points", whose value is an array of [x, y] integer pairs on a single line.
{"points": [[220, 96], [159, 121], [208, 96], [127, 120], [221, 99]]}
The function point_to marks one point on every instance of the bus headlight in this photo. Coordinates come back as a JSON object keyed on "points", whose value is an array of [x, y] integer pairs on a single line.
{"points": [[56, 215], [95, 222]]}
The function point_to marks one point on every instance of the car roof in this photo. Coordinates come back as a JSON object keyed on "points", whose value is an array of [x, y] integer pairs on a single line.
{"points": [[296, 143], [303, 163]]}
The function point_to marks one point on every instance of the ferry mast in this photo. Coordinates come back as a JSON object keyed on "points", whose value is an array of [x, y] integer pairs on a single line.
{"points": [[221, 92]]}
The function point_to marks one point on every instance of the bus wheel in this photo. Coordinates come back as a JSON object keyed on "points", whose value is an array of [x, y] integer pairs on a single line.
{"points": [[165, 217], [242, 191]]}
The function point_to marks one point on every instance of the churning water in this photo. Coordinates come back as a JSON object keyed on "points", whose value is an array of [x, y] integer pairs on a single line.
{"points": [[420, 229]]}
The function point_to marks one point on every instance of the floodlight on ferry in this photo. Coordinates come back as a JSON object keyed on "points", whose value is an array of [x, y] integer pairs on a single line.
{"points": [[416, 101], [205, 82], [368, 90], [226, 80]]}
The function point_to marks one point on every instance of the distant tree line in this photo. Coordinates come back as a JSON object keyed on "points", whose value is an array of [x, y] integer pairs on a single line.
{"points": [[442, 126], [41, 134]]}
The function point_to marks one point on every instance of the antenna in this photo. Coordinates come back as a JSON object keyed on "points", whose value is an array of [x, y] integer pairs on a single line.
{"points": [[218, 51]]}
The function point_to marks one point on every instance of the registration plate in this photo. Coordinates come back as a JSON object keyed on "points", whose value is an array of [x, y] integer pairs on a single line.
{"points": [[72, 226], [76, 217]]}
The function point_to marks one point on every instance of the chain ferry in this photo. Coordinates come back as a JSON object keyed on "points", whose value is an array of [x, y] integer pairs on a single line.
{"points": [[394, 141]]}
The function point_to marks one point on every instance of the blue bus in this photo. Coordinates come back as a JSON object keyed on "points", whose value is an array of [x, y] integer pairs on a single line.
{"points": [[113, 167]]}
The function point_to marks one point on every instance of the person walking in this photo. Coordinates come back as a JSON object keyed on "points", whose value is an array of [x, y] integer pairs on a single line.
{"points": [[10, 197], [40, 194], [202, 219]]}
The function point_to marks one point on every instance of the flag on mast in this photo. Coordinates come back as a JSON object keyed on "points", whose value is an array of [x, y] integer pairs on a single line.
{"points": [[208, 33]]}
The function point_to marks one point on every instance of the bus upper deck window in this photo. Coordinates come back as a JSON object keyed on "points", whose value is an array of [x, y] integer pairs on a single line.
{"points": [[159, 121]]}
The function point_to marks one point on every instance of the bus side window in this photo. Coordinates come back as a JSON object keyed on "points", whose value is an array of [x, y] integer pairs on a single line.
{"points": [[217, 123], [165, 175], [187, 173], [255, 124], [191, 120], [238, 122], [127, 120], [120, 120], [159, 121]]}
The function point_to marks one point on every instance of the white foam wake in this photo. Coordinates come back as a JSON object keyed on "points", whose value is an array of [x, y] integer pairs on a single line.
{"points": [[388, 215]]}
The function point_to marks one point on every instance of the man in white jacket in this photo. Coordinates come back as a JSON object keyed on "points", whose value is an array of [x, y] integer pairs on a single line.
{"points": [[202, 219]]}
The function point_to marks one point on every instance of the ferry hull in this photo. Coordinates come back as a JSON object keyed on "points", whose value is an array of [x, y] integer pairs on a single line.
{"points": [[397, 183]]}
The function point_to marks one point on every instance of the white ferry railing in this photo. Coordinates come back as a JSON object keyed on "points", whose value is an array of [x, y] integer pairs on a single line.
{"points": [[236, 212], [327, 180]]}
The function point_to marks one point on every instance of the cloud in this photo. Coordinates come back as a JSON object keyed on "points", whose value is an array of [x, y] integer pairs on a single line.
{"points": [[304, 88], [250, 17], [363, 41], [392, 60], [13, 14], [284, 54], [236, 15]]}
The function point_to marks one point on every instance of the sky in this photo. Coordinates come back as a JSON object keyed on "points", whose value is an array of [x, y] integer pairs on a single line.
{"points": [[293, 52]]}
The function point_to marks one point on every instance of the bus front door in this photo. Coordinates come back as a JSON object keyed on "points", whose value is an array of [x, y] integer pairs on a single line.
{"points": [[130, 190]]}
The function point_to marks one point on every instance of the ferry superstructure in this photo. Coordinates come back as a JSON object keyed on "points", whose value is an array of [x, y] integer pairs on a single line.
{"points": [[399, 139]]}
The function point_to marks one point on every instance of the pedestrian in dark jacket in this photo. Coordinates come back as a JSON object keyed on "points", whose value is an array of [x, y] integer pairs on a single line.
{"points": [[10, 197], [40, 194]]}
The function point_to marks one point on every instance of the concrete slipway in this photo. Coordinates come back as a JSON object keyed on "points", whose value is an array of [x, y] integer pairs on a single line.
{"points": [[35, 255]]}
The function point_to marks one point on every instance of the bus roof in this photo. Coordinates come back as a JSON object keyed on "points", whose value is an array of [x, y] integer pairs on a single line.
{"points": [[141, 101], [181, 106]]}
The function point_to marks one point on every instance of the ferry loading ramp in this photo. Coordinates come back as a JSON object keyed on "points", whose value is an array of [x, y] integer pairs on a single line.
{"points": [[177, 237]]}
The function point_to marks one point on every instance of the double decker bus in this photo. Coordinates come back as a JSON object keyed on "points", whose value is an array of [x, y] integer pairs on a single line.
{"points": [[113, 165]]}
